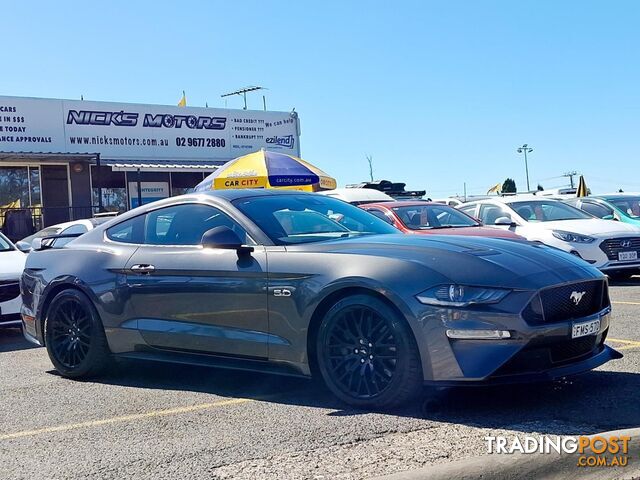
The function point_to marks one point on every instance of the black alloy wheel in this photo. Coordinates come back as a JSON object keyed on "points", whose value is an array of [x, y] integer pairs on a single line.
{"points": [[74, 336], [367, 354]]}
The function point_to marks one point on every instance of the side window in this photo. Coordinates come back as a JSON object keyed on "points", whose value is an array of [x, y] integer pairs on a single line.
{"points": [[185, 224], [380, 214], [490, 213], [469, 210], [129, 231], [596, 209]]}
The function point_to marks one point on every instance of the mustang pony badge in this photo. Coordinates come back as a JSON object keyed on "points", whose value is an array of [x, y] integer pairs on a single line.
{"points": [[576, 297]]}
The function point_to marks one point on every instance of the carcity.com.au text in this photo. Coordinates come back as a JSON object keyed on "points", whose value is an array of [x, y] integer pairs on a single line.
{"points": [[594, 451]]}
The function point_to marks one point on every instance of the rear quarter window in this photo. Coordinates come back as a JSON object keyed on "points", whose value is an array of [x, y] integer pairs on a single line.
{"points": [[129, 231]]}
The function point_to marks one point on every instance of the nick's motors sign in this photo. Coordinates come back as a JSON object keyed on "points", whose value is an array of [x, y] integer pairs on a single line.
{"points": [[118, 130]]}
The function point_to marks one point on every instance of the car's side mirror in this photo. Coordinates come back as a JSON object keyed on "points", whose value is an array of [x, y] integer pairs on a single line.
{"points": [[609, 217], [24, 247], [224, 237], [505, 221], [36, 244]]}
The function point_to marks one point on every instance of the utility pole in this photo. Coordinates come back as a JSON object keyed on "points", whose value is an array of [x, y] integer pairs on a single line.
{"points": [[526, 149], [570, 175]]}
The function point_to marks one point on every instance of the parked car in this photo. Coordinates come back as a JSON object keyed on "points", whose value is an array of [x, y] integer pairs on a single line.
{"points": [[613, 247], [358, 196], [11, 266], [451, 201], [304, 284], [426, 217], [68, 228], [623, 207]]}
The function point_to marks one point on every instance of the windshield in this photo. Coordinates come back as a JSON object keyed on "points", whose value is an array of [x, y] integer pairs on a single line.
{"points": [[292, 219], [629, 205], [45, 232], [428, 217], [5, 244], [547, 211]]}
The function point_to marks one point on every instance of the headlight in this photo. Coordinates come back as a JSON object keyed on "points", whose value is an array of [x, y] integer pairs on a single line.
{"points": [[572, 237], [461, 295]]}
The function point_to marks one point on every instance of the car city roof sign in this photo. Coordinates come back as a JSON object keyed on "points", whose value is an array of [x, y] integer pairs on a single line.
{"points": [[122, 130]]}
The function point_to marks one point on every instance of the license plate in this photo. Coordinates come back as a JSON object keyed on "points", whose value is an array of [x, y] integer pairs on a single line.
{"points": [[586, 328], [625, 256]]}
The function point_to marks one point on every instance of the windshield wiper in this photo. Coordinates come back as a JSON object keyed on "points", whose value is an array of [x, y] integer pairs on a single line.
{"points": [[437, 228]]}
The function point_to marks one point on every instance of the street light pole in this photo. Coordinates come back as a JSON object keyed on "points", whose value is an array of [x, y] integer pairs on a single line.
{"points": [[526, 149]]}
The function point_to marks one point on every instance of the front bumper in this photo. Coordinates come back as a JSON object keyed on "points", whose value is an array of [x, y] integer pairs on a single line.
{"points": [[536, 348], [593, 254], [599, 356], [10, 312]]}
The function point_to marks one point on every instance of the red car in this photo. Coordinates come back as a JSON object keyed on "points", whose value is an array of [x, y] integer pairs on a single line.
{"points": [[427, 217]]}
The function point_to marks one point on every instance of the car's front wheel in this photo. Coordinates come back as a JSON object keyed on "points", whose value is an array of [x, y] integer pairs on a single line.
{"points": [[74, 336], [367, 354]]}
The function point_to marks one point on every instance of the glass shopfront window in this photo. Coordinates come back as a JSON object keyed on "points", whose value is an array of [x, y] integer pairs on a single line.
{"points": [[183, 182], [114, 189], [19, 188]]}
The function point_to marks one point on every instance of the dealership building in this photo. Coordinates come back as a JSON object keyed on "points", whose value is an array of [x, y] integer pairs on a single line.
{"points": [[63, 160]]}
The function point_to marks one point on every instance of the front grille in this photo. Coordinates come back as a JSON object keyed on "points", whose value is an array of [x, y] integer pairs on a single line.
{"points": [[612, 246], [9, 290], [574, 348], [566, 302]]}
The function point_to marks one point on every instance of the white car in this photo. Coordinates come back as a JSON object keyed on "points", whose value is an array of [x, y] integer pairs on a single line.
{"points": [[358, 196], [11, 266], [74, 227], [613, 247]]}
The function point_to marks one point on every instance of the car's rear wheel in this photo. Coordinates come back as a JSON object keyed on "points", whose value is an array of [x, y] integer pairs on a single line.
{"points": [[367, 354], [74, 336]]}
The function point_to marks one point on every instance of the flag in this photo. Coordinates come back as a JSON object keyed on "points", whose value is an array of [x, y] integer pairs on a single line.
{"points": [[183, 100], [582, 188], [495, 189]]}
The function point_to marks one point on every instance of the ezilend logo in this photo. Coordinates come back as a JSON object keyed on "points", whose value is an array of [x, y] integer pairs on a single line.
{"points": [[126, 119], [285, 141]]}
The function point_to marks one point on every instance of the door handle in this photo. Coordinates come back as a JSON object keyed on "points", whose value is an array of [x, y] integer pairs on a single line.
{"points": [[142, 268]]}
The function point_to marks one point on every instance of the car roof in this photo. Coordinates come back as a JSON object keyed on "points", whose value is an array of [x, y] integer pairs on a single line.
{"points": [[403, 203], [513, 199], [607, 196], [235, 194], [357, 194]]}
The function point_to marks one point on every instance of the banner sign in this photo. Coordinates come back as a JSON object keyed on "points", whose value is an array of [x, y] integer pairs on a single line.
{"points": [[150, 192], [134, 131]]}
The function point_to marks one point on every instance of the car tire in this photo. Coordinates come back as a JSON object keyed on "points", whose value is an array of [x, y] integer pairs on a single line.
{"points": [[367, 354], [74, 336]]}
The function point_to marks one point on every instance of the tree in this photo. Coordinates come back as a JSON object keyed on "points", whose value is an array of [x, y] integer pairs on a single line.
{"points": [[370, 160], [509, 186], [540, 188]]}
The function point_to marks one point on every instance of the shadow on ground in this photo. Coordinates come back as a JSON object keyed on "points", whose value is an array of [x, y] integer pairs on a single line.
{"points": [[11, 339], [632, 282], [593, 402]]}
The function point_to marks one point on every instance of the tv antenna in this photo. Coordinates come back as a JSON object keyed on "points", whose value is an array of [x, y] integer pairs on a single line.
{"points": [[243, 92], [571, 174]]}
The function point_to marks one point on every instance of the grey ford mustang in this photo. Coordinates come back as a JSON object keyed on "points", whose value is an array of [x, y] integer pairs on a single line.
{"points": [[303, 284]]}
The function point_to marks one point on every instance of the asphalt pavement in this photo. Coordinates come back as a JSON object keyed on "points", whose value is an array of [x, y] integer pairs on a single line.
{"points": [[154, 421]]}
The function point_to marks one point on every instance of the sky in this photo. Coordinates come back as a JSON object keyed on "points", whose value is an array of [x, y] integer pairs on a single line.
{"points": [[438, 93]]}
